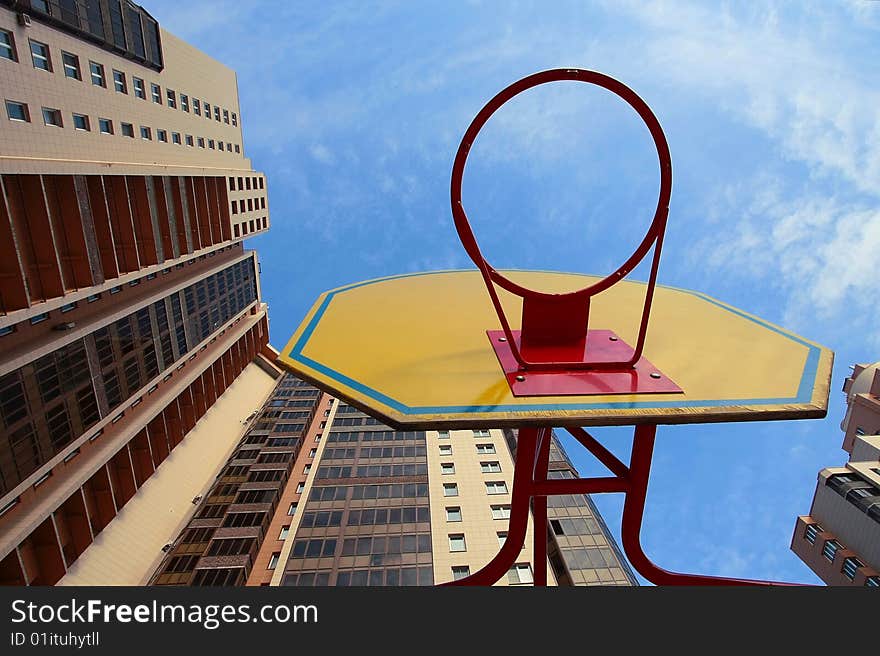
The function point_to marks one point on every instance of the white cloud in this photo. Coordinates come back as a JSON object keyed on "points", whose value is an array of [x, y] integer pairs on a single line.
{"points": [[323, 154], [786, 79], [819, 251]]}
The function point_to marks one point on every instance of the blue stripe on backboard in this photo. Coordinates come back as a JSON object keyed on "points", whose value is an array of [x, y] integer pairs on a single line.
{"points": [[804, 393]]}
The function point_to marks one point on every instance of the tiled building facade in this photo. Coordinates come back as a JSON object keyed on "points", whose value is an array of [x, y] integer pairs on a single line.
{"points": [[128, 306]]}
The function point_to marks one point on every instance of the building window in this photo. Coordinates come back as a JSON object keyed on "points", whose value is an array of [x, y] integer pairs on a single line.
{"points": [[273, 560], [237, 149], [156, 92], [39, 318], [307, 469], [17, 111], [201, 142], [127, 130], [226, 116], [519, 574], [873, 582], [502, 538], [492, 467], [829, 550], [292, 509], [115, 290], [184, 102], [447, 468], [450, 489], [220, 145], [860, 431], [207, 110], [105, 125], [284, 531], [93, 298], [234, 120], [52, 117], [139, 88], [811, 531], [162, 135], [81, 122], [98, 78], [453, 514], [119, 82], [445, 449], [197, 107], [7, 46], [496, 487], [312, 453], [189, 140], [172, 98], [481, 433], [71, 65], [211, 144], [146, 133], [500, 512], [40, 56], [460, 572], [216, 113], [300, 487], [456, 542], [442, 435], [175, 138], [850, 565], [485, 448]]}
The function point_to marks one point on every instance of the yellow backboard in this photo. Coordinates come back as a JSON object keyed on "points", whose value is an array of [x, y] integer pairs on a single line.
{"points": [[413, 350]]}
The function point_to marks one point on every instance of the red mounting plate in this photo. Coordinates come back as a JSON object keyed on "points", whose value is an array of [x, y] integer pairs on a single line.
{"points": [[603, 346]]}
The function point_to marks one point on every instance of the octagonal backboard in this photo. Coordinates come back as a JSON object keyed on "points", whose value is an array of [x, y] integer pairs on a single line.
{"points": [[415, 351]]}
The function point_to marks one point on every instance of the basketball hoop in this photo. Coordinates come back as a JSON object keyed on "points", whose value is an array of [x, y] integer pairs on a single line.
{"points": [[555, 334]]}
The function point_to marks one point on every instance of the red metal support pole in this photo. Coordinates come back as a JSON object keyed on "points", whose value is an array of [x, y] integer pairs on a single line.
{"points": [[539, 508], [633, 511]]}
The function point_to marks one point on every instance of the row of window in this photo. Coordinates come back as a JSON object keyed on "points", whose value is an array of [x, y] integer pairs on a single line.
{"points": [[489, 467], [352, 453], [363, 546], [444, 434], [376, 436], [446, 449], [44, 316], [830, 548], [392, 491], [244, 184], [41, 57], [19, 111], [492, 487], [373, 471], [453, 513], [248, 204]]}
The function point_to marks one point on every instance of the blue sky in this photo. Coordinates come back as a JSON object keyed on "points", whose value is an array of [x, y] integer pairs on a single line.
{"points": [[354, 112]]}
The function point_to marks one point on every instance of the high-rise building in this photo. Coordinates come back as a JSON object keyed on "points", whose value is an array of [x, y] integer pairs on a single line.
{"points": [[147, 435], [840, 539], [319, 493], [132, 332]]}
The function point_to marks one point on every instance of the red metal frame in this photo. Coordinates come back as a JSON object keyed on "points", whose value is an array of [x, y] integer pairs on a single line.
{"points": [[555, 326], [531, 489]]}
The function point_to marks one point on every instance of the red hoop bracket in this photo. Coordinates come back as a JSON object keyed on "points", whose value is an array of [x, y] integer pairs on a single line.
{"points": [[555, 326]]}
